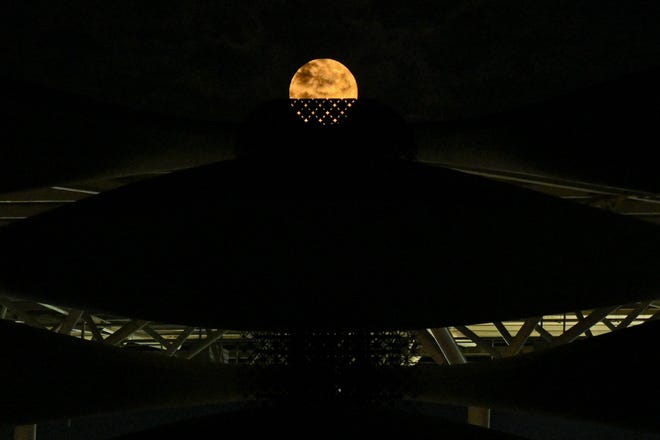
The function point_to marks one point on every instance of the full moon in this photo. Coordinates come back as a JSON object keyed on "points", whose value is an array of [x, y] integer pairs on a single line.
{"points": [[323, 78]]}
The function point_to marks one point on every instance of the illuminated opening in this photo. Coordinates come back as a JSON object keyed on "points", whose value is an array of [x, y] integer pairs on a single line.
{"points": [[323, 91]]}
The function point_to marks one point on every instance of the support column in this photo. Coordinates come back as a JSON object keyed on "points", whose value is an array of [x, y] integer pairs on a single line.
{"points": [[448, 345], [430, 346], [125, 332], [210, 339], [25, 432], [476, 415], [479, 416]]}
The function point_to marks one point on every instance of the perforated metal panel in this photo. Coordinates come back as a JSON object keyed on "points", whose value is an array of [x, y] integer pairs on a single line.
{"points": [[322, 111]]}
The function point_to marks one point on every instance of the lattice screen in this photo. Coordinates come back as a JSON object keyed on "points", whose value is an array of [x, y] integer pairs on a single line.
{"points": [[322, 111]]}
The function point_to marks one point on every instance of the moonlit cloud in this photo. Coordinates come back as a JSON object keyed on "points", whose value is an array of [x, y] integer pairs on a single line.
{"points": [[323, 78]]}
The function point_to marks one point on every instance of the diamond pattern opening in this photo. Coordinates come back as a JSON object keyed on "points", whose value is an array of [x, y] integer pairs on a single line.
{"points": [[328, 111]]}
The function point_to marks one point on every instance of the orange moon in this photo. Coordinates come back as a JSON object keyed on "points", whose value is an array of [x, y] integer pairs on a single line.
{"points": [[323, 78]]}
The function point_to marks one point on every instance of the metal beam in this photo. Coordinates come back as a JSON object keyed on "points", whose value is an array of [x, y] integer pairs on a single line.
{"points": [[125, 332], [580, 317], [504, 332], [521, 337], [448, 345], [96, 333], [59, 310], [21, 313], [544, 333], [641, 308], [34, 202], [655, 316], [609, 324], [204, 343], [74, 190], [480, 342], [178, 342], [214, 352], [70, 321], [553, 182], [430, 346], [165, 344], [580, 327]]}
